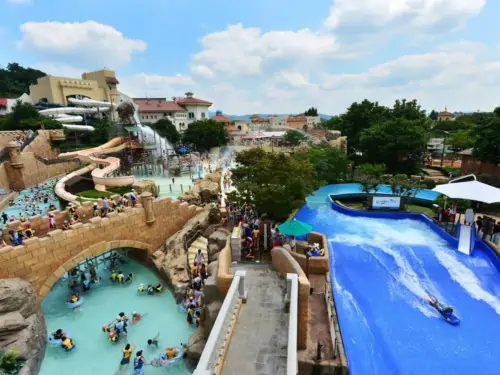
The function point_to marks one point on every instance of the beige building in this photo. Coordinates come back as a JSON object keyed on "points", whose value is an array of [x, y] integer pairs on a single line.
{"points": [[445, 116], [296, 122], [100, 85]]}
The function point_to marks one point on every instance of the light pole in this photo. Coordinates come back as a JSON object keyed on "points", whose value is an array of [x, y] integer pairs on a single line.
{"points": [[444, 144]]}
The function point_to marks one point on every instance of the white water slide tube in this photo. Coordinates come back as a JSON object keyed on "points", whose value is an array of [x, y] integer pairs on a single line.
{"points": [[99, 175]]}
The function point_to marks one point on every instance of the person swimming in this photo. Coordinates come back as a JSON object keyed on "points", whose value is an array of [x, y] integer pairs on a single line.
{"points": [[158, 288], [171, 352], [154, 340], [120, 277], [58, 334], [129, 278], [67, 343], [141, 288]]}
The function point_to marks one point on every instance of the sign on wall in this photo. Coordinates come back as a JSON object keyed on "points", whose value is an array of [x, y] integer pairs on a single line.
{"points": [[392, 203]]}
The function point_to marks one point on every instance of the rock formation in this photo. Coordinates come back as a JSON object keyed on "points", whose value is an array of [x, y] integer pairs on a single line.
{"points": [[22, 325], [204, 189], [146, 185]]}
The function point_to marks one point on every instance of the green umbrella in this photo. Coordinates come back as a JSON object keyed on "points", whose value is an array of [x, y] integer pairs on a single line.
{"points": [[294, 228]]}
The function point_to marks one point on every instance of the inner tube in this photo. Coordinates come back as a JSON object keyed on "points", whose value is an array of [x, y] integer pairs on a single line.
{"points": [[76, 304], [56, 342], [164, 362], [451, 319], [70, 350]]}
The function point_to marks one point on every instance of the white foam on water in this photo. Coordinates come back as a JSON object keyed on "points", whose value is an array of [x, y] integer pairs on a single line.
{"points": [[466, 278]]}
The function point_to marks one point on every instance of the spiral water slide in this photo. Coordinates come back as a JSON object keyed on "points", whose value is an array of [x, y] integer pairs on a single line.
{"points": [[99, 175]]}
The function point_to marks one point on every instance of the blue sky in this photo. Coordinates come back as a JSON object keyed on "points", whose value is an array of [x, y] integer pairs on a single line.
{"points": [[269, 56]]}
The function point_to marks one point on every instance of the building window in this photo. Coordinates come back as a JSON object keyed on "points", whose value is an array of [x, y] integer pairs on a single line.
{"points": [[202, 114], [191, 114]]}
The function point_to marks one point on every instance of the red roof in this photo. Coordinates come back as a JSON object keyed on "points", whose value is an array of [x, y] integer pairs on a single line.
{"points": [[223, 119], [192, 100], [112, 80], [299, 118], [231, 128], [157, 105], [3, 102]]}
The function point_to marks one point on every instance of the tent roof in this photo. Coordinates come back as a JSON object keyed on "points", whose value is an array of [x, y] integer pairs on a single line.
{"points": [[470, 190], [133, 128]]}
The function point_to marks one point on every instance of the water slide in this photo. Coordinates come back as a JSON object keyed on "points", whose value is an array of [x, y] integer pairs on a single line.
{"points": [[70, 115], [99, 175]]}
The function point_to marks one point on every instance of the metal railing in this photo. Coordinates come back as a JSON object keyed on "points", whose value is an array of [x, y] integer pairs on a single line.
{"points": [[292, 300], [213, 354]]}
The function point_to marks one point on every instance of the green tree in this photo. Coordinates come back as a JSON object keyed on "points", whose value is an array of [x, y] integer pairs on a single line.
{"points": [[459, 140], [330, 164], [368, 170], [294, 137], [487, 138], [24, 116], [101, 131], [409, 110], [311, 112], [275, 183], [15, 80], [205, 134], [359, 117], [166, 129], [398, 143], [433, 115]]}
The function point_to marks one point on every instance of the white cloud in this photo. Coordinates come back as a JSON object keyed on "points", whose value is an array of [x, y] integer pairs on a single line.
{"points": [[59, 70], [83, 42], [19, 2], [295, 79], [155, 85], [407, 16], [244, 50]]}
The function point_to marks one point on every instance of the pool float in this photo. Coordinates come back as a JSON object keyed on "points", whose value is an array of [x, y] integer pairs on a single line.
{"points": [[56, 342], [70, 350], [76, 304]]}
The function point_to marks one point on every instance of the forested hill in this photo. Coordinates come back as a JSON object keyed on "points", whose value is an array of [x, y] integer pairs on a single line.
{"points": [[15, 80]]}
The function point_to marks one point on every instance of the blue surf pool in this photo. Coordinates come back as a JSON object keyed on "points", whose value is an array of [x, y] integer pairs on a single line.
{"points": [[382, 272], [94, 354]]}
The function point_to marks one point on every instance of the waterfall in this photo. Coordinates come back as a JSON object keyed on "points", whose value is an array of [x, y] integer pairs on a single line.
{"points": [[152, 137]]}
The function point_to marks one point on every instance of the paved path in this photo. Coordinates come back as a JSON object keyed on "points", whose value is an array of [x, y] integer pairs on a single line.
{"points": [[259, 342]]}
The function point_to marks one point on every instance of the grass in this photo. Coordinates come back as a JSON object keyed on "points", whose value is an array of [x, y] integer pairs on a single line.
{"points": [[94, 194]]}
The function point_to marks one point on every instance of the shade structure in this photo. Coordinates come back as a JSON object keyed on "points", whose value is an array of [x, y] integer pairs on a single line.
{"points": [[470, 190], [295, 228]]}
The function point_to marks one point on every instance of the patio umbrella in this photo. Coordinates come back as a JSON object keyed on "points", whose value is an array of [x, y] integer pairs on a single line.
{"points": [[295, 228], [470, 190]]}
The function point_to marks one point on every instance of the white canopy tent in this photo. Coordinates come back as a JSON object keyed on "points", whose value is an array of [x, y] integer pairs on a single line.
{"points": [[470, 190]]}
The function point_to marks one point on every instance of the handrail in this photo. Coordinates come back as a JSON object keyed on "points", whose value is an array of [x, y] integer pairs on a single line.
{"points": [[292, 291], [217, 341]]}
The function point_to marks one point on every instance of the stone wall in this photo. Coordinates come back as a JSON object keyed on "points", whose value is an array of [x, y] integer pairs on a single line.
{"points": [[317, 265], [35, 171], [224, 275], [41, 144], [4, 178], [284, 263], [43, 260], [7, 136]]}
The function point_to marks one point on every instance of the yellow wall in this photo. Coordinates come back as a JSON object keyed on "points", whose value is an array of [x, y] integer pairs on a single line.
{"points": [[93, 85]]}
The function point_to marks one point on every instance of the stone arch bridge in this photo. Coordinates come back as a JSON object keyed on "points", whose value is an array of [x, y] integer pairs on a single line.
{"points": [[43, 260]]}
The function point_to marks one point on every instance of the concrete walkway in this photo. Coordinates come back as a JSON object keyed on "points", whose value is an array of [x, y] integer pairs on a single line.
{"points": [[259, 342]]}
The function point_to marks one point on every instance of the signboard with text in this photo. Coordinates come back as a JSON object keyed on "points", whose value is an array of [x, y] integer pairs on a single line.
{"points": [[387, 203]]}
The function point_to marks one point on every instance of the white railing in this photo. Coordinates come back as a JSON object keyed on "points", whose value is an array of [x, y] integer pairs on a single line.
{"points": [[292, 295], [213, 353]]}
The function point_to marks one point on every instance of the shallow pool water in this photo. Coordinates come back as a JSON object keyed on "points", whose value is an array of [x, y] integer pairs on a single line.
{"points": [[383, 270], [19, 208], [93, 353]]}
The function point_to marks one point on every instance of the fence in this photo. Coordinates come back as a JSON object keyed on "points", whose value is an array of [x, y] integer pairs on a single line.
{"points": [[213, 354], [292, 295]]}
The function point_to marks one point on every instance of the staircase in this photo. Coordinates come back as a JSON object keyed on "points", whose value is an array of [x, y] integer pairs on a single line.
{"points": [[201, 243]]}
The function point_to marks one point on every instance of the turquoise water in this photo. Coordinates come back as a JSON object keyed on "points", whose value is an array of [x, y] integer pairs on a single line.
{"points": [[93, 353], [42, 208]]}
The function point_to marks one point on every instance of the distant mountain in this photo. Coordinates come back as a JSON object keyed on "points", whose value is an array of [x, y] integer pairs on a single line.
{"points": [[246, 118]]}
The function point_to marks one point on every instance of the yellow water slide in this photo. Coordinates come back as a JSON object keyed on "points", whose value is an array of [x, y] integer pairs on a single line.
{"points": [[99, 175]]}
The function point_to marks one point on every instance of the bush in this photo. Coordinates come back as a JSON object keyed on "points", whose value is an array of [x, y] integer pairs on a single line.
{"points": [[10, 363]]}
